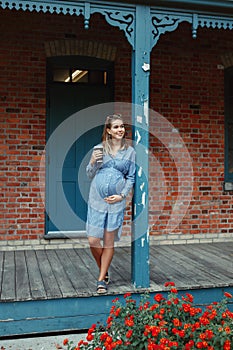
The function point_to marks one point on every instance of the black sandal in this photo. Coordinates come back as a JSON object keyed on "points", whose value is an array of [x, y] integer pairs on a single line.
{"points": [[101, 287]]}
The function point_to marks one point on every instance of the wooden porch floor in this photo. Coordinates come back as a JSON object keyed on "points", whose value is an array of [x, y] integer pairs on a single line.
{"points": [[43, 291], [71, 273]]}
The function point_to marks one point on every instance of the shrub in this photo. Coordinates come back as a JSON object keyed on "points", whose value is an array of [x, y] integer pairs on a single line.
{"points": [[164, 324]]}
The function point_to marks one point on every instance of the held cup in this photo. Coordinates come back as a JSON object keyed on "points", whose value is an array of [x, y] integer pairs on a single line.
{"points": [[100, 156]]}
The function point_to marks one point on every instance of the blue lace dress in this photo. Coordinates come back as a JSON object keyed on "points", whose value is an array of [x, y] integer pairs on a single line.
{"points": [[114, 176]]}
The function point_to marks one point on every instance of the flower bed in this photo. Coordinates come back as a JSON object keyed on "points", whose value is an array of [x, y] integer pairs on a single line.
{"points": [[166, 324]]}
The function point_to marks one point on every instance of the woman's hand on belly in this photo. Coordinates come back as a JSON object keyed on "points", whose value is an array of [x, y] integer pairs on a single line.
{"points": [[113, 199]]}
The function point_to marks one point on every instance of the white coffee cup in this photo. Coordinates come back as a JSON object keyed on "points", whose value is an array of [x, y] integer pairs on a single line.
{"points": [[99, 148]]}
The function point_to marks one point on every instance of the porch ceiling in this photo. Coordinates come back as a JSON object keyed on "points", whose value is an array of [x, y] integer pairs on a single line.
{"points": [[216, 6]]}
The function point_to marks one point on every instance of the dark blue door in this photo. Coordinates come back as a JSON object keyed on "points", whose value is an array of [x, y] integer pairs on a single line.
{"points": [[76, 128]]}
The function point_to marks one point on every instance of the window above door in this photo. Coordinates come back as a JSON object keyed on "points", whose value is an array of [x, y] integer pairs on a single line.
{"points": [[80, 70], [79, 76]]}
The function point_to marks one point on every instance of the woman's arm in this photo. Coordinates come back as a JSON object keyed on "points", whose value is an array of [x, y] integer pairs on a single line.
{"points": [[93, 165]]}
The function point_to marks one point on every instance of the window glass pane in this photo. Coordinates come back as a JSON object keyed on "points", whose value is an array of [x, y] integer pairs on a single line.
{"points": [[61, 74], [79, 76]]}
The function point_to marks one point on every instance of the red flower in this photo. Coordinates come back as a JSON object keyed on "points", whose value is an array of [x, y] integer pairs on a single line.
{"points": [[154, 306], [177, 322], [127, 295], [90, 337], [92, 329], [80, 342], [129, 321], [188, 297], [227, 329], [209, 334], [109, 320], [181, 333], [228, 295], [186, 307], [169, 284], [158, 297], [103, 336], [200, 345], [204, 321], [117, 312], [129, 333], [175, 301], [115, 300], [65, 341], [227, 345], [108, 340], [112, 310], [174, 290], [162, 311], [189, 345]]}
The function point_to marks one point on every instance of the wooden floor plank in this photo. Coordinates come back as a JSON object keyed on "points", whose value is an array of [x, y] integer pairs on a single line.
{"points": [[49, 281], [75, 269], [8, 292], [207, 264], [60, 274], [225, 247], [120, 271], [52, 274], [193, 268], [179, 271], [190, 272], [85, 280], [34, 275], [160, 272], [220, 258], [21, 277]]}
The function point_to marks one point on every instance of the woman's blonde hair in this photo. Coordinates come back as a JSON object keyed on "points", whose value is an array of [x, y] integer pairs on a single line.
{"points": [[106, 138]]}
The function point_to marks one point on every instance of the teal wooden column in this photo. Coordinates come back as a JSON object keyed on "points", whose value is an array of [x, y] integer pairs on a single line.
{"points": [[140, 122]]}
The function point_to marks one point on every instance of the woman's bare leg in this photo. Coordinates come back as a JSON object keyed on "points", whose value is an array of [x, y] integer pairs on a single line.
{"points": [[107, 253], [96, 249]]}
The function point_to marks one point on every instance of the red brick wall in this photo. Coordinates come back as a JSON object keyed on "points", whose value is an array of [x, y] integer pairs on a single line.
{"points": [[186, 88], [23, 107]]}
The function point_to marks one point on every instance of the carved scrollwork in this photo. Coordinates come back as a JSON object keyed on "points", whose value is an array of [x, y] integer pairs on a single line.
{"points": [[54, 7], [162, 23], [124, 21]]}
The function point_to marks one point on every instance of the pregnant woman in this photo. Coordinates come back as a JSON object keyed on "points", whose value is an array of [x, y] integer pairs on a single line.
{"points": [[112, 170]]}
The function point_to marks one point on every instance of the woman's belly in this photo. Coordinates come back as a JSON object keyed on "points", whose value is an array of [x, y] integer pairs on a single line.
{"points": [[109, 181]]}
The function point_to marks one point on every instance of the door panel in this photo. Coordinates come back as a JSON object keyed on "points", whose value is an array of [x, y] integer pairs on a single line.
{"points": [[66, 174]]}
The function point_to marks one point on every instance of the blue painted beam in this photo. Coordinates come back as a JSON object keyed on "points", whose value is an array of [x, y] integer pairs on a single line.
{"points": [[207, 5], [140, 93], [44, 316]]}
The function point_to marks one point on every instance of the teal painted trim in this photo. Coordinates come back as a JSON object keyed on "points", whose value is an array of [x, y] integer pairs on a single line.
{"points": [[118, 16], [198, 4], [204, 5], [44, 316], [122, 15], [140, 93], [163, 22], [45, 6], [168, 21]]}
